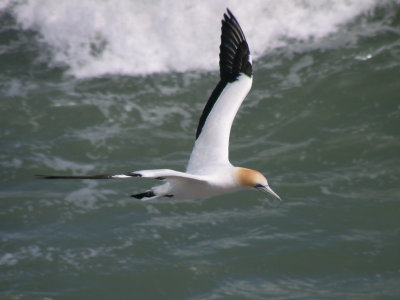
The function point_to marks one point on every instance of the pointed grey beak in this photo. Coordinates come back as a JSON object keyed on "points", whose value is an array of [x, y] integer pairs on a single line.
{"points": [[266, 189]]}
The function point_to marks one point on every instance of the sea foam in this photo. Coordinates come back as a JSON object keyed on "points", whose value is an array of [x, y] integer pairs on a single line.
{"points": [[92, 38]]}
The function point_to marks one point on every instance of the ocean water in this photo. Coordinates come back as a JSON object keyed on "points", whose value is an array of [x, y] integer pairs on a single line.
{"points": [[89, 87]]}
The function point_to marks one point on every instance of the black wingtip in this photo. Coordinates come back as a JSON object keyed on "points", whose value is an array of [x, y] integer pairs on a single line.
{"points": [[100, 176], [234, 58], [234, 50], [147, 194], [134, 174]]}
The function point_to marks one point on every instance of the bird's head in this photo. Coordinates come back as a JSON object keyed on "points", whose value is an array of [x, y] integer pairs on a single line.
{"points": [[253, 179]]}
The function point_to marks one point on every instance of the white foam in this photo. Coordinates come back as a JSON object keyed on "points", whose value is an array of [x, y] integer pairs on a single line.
{"points": [[8, 259], [5, 3], [93, 38]]}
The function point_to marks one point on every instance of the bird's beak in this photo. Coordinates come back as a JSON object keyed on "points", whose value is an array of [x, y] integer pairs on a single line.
{"points": [[266, 189]]}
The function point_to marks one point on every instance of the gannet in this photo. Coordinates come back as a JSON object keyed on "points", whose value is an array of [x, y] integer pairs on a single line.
{"points": [[209, 171]]}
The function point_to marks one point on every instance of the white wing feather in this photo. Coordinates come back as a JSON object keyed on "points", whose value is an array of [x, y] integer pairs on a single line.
{"points": [[212, 145], [166, 174]]}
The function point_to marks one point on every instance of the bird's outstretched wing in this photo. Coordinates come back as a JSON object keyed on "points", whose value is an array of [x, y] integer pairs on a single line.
{"points": [[236, 72], [159, 174], [99, 176]]}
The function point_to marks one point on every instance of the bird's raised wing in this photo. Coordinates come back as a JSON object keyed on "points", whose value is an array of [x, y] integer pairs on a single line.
{"points": [[212, 136]]}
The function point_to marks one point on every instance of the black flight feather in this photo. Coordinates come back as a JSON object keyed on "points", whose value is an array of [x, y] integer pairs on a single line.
{"points": [[147, 194], [234, 58]]}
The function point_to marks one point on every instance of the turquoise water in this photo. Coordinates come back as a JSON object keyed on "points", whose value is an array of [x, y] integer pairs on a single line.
{"points": [[321, 122]]}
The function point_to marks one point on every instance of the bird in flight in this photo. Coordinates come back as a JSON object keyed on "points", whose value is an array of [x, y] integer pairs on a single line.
{"points": [[209, 171]]}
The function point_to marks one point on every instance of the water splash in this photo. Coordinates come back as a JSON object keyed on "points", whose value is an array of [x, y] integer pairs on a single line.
{"points": [[93, 38]]}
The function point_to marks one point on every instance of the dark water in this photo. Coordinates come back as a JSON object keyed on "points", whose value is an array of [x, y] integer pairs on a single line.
{"points": [[321, 122]]}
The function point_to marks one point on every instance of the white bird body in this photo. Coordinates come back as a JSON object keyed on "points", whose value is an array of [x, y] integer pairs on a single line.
{"points": [[209, 171], [220, 180]]}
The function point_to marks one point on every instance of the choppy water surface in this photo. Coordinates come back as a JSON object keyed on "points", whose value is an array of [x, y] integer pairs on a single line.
{"points": [[95, 87]]}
